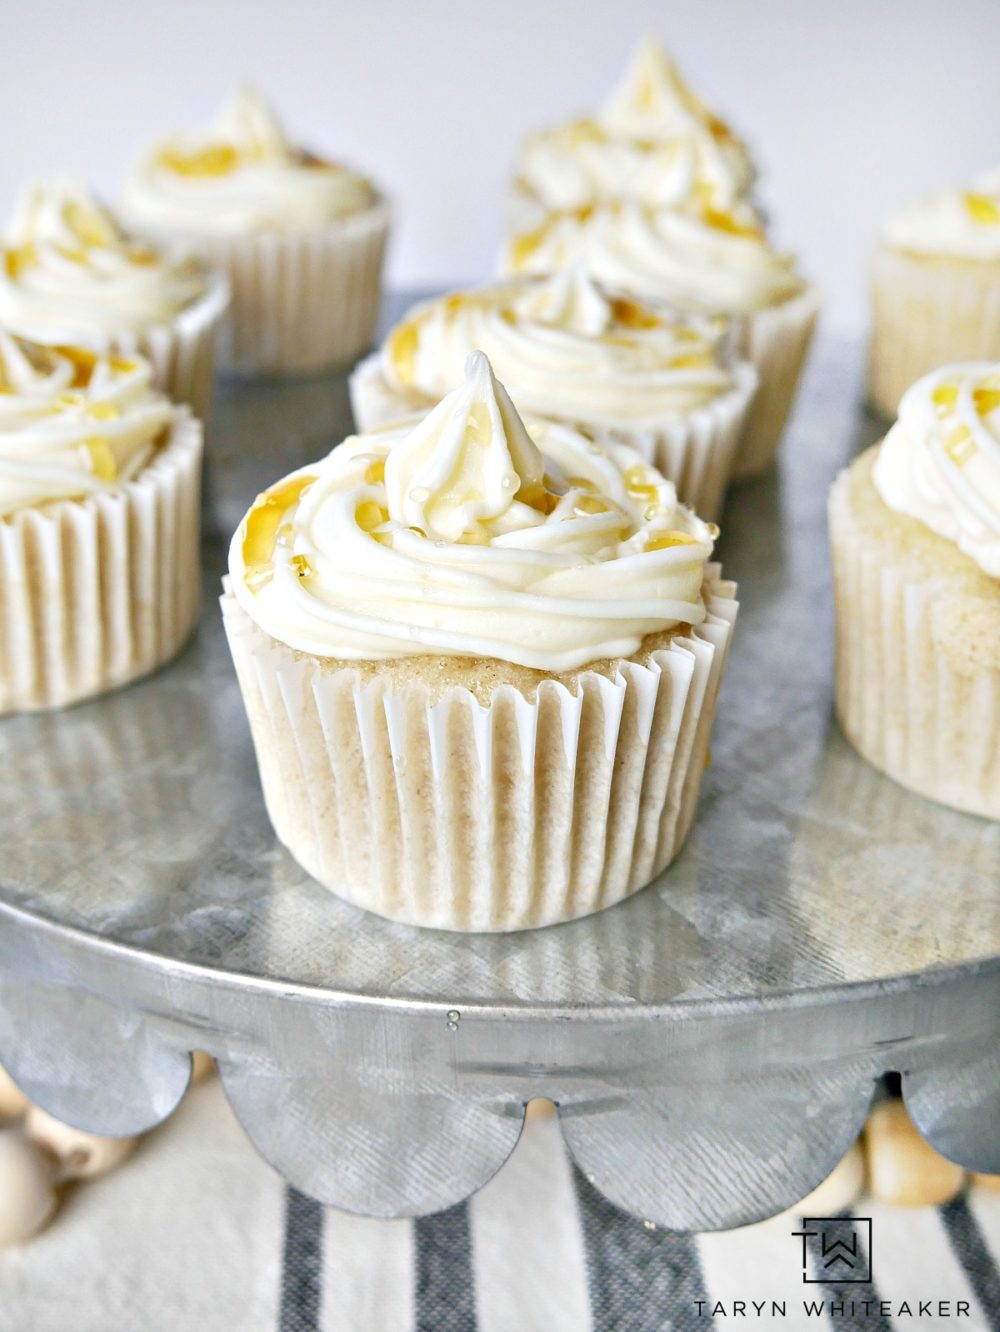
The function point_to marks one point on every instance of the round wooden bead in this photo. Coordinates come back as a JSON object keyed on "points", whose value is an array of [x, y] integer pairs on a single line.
{"points": [[80, 1155], [27, 1187], [902, 1167]]}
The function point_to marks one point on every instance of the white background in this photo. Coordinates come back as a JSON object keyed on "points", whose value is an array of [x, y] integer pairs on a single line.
{"points": [[851, 106]]}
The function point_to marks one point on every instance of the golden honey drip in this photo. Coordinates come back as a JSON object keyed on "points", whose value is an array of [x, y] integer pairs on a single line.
{"points": [[632, 315], [722, 221], [102, 459], [539, 498], [103, 411], [944, 397], [261, 525], [215, 160], [960, 446], [369, 515], [82, 361], [987, 399], [982, 209], [16, 260], [403, 343], [664, 540], [637, 485]]}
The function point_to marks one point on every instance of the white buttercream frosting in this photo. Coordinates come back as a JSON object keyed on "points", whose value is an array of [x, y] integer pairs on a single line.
{"points": [[70, 273], [240, 173], [72, 423], [565, 347], [962, 224], [707, 261], [653, 141], [462, 534], [940, 462]]}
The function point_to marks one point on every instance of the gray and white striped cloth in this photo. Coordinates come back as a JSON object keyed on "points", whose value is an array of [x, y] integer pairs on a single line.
{"points": [[197, 1233]]}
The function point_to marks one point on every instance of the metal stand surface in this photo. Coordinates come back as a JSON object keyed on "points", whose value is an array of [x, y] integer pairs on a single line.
{"points": [[712, 1044]]}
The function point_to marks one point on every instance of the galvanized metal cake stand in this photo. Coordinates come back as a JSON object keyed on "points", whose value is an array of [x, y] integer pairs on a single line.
{"points": [[712, 1044]]}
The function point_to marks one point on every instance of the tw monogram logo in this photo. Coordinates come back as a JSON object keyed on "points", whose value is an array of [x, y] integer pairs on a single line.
{"points": [[836, 1249]]}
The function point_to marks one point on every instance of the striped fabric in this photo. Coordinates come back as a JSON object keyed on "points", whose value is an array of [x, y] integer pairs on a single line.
{"points": [[196, 1232]]}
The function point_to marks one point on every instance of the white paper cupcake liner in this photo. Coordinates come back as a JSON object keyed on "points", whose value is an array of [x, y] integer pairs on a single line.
{"points": [[696, 452], [441, 812], [301, 300], [912, 709], [776, 340], [97, 592], [183, 353], [927, 313]]}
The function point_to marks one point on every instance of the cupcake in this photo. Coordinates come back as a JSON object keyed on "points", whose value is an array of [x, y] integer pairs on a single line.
{"points": [[571, 351], [653, 142], [702, 261], [936, 296], [480, 667], [300, 239], [70, 275], [915, 528], [99, 494]]}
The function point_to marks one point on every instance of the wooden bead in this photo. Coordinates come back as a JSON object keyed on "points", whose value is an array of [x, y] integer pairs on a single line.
{"points": [[991, 1182], [80, 1155], [13, 1102], [902, 1167], [842, 1186], [27, 1187], [202, 1067], [539, 1108]]}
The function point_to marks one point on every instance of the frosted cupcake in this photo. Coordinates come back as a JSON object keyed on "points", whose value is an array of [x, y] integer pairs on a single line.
{"points": [[69, 274], [571, 351], [936, 288], [99, 494], [480, 668], [915, 527], [653, 142], [701, 261], [300, 239]]}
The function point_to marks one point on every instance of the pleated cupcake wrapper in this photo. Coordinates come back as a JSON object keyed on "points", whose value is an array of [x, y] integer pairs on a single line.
{"points": [[901, 699], [696, 452], [928, 313], [183, 352], [301, 301], [97, 592], [445, 813], [776, 340]]}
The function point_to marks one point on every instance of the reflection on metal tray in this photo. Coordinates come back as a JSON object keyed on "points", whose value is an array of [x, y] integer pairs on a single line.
{"points": [[822, 926]]}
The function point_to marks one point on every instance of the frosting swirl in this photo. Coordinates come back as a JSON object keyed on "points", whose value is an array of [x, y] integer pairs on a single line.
{"points": [[463, 535], [567, 348], [240, 173], [704, 261], [961, 224], [940, 462], [69, 272], [653, 141], [72, 422]]}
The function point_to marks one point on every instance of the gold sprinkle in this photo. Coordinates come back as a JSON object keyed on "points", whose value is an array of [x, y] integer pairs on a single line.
{"points": [[632, 315], [638, 486], [726, 222], [83, 363], [103, 411], [944, 398], [417, 531], [301, 566]]}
